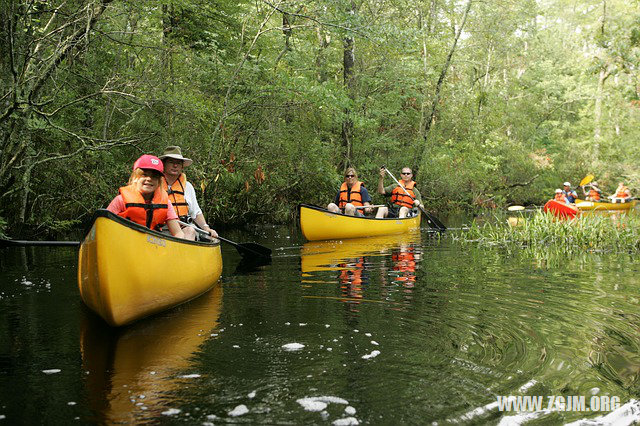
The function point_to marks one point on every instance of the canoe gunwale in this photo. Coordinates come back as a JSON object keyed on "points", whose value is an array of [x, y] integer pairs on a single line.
{"points": [[137, 227], [323, 210]]}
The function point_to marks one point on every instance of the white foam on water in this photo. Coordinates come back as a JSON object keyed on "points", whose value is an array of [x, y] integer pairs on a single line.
{"points": [[240, 410], [628, 414], [347, 421], [236, 346], [292, 346], [350, 410], [52, 371], [310, 404], [521, 418], [367, 334], [190, 376], [71, 403], [373, 342], [171, 412], [527, 385], [211, 416], [373, 354], [252, 395]]}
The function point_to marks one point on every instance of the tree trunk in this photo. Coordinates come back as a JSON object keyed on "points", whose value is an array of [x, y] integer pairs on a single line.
{"points": [[443, 74], [348, 62]]}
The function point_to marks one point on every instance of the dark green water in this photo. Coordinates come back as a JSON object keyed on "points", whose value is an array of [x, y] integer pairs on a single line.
{"points": [[402, 330]]}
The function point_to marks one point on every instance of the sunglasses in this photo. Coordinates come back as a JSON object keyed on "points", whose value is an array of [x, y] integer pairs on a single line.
{"points": [[349, 175], [405, 173]]}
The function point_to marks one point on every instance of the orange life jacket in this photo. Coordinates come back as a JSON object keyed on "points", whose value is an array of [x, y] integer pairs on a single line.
{"points": [[152, 215], [176, 195], [399, 197], [594, 195], [560, 197], [352, 195], [621, 193]]}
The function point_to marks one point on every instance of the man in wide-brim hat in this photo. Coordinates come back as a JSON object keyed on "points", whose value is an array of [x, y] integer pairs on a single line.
{"points": [[181, 192]]}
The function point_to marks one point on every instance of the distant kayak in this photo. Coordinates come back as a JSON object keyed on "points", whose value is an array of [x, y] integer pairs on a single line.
{"points": [[615, 204], [561, 210]]}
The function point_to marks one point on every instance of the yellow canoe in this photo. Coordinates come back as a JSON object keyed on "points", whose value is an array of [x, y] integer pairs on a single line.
{"points": [[320, 224], [127, 272], [618, 204]]}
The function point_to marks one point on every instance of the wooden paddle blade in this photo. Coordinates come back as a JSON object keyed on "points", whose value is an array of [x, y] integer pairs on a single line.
{"points": [[587, 179]]}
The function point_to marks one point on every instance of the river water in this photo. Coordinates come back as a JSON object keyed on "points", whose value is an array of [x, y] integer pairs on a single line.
{"points": [[411, 329]]}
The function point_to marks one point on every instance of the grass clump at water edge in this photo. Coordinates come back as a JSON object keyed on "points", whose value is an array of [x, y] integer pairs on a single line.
{"points": [[543, 231]]}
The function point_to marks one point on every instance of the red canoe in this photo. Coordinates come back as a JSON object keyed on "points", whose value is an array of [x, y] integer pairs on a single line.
{"points": [[561, 210]]}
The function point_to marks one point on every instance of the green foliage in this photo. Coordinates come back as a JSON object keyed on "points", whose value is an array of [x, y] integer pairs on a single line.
{"points": [[244, 95]]}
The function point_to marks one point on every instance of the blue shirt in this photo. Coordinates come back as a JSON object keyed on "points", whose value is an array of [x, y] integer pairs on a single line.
{"points": [[571, 195]]}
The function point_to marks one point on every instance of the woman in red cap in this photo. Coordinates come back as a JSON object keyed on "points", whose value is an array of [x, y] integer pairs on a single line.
{"points": [[144, 201]]}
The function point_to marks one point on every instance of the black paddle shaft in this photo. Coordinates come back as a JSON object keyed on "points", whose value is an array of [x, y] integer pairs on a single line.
{"points": [[26, 243]]}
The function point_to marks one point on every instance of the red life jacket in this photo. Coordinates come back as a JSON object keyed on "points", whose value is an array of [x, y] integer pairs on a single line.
{"points": [[176, 195], [594, 195], [351, 195], [152, 215], [399, 197]]}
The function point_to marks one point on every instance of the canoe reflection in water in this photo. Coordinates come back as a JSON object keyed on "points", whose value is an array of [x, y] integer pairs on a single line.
{"points": [[132, 372], [354, 259]]}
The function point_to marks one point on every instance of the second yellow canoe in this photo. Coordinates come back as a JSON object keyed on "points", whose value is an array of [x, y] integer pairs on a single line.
{"points": [[320, 224], [592, 205]]}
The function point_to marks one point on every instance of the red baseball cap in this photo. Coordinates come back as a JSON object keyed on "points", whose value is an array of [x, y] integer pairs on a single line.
{"points": [[149, 162]]}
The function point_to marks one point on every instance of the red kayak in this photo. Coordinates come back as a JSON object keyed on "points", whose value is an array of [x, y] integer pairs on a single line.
{"points": [[560, 210]]}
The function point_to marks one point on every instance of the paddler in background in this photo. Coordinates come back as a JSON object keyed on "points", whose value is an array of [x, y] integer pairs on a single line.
{"points": [[571, 195], [352, 194], [143, 200], [594, 192], [401, 203], [622, 192], [560, 197], [181, 192]]}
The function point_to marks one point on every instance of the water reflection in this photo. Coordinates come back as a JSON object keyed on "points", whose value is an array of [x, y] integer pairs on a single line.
{"points": [[352, 261], [132, 372]]}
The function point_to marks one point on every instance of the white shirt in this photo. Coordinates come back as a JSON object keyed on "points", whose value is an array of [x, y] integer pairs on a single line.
{"points": [[192, 201]]}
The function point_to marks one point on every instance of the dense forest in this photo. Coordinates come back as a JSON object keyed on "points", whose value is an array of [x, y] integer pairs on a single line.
{"points": [[490, 102]]}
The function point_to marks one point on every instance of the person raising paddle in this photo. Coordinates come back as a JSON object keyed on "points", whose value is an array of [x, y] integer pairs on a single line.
{"points": [[181, 192], [594, 192], [143, 200], [401, 203]]}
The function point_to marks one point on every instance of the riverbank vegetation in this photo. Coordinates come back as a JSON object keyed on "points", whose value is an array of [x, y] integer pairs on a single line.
{"points": [[543, 232], [490, 102]]}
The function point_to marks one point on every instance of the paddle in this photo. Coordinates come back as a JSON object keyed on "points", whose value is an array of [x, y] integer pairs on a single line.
{"points": [[245, 249], [431, 220], [370, 207], [587, 179], [25, 243]]}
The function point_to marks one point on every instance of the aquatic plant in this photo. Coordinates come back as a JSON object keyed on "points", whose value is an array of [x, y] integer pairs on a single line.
{"points": [[594, 233]]}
